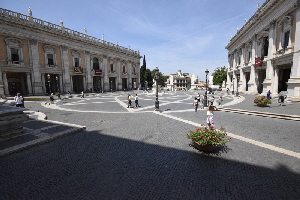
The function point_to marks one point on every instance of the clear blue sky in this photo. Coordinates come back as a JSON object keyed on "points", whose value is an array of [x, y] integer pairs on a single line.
{"points": [[186, 35]]}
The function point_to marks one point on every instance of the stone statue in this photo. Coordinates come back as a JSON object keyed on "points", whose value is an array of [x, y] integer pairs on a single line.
{"points": [[61, 23], [29, 12], [84, 30]]}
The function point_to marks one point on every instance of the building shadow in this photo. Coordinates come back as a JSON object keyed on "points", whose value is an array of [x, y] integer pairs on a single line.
{"points": [[91, 165]]}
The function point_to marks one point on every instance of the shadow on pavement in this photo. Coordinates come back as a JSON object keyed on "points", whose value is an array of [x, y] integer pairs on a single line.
{"points": [[90, 165]]}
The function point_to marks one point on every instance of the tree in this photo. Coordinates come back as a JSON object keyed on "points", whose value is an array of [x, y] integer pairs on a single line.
{"points": [[143, 73], [220, 75], [162, 79], [148, 78]]}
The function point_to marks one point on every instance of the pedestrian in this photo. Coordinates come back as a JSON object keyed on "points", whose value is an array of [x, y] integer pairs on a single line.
{"points": [[212, 100], [210, 116], [269, 95], [220, 100], [51, 99], [202, 102], [19, 100], [129, 101], [195, 104], [136, 100], [69, 92], [228, 91], [198, 97], [82, 94]]}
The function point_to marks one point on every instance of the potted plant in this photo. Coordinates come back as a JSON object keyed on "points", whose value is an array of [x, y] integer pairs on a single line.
{"points": [[207, 138], [262, 101]]}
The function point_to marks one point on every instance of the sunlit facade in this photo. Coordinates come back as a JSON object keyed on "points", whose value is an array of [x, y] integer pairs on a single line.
{"points": [[38, 57], [264, 53]]}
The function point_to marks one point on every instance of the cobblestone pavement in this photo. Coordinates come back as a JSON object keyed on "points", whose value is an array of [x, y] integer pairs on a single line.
{"points": [[135, 153]]}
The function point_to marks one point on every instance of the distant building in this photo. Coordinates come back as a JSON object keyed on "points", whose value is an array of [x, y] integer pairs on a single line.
{"points": [[182, 81], [264, 53], [38, 57]]}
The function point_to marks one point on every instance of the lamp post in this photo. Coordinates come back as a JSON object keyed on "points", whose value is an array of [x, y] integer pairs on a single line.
{"points": [[156, 78], [233, 86], [205, 95]]}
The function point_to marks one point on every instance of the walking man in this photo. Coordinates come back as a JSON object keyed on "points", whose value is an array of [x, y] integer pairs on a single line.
{"points": [[136, 100]]}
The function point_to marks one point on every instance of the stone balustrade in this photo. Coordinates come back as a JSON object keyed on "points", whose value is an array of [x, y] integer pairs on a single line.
{"points": [[60, 29]]}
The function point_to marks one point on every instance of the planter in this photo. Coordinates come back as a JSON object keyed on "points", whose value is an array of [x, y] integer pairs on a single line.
{"points": [[262, 105], [206, 148]]}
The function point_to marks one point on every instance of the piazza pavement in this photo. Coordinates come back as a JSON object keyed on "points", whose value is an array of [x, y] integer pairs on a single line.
{"points": [[97, 148]]}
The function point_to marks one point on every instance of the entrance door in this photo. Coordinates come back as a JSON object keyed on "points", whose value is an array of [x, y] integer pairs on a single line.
{"points": [[261, 78], [284, 76], [124, 83], [17, 83], [97, 83], [78, 85]]}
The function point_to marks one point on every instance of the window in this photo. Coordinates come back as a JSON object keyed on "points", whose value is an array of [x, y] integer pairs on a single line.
{"points": [[76, 62], [50, 59], [111, 67], [49, 55], [14, 51], [95, 63], [124, 69], [286, 39], [249, 56], [266, 46], [133, 69], [14, 55]]}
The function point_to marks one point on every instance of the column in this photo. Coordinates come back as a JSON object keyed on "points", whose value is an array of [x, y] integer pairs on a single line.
{"points": [[106, 79], [65, 65], [34, 59], [119, 71], [29, 85], [5, 83], [60, 83], [43, 82], [274, 88], [267, 84], [294, 81], [1, 85], [88, 64], [129, 75]]}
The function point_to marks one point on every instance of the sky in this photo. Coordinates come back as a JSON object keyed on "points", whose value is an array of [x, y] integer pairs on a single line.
{"points": [[186, 35]]}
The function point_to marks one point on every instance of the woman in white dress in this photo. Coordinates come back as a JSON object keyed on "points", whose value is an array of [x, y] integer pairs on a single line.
{"points": [[210, 116]]}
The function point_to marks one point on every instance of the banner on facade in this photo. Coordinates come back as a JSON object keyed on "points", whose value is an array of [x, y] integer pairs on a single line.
{"points": [[258, 62], [98, 71]]}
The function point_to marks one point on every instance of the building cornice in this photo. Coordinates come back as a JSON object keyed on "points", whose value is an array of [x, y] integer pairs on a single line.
{"points": [[261, 14], [33, 24]]}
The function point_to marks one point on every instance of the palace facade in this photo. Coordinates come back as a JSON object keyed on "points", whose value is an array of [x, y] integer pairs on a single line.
{"points": [[38, 57], [182, 81], [264, 53]]}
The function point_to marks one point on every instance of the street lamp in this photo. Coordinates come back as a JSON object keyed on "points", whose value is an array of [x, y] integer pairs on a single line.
{"points": [[156, 78], [205, 95], [233, 86]]}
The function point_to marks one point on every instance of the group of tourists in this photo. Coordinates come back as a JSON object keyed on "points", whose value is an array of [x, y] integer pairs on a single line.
{"points": [[136, 101]]}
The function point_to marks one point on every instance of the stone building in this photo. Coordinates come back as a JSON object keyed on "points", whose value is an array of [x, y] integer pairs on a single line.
{"points": [[264, 53], [182, 81], [38, 57]]}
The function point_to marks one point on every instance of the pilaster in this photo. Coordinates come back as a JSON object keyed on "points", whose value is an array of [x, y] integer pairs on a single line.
{"points": [[34, 57], [105, 70], [65, 65]]}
